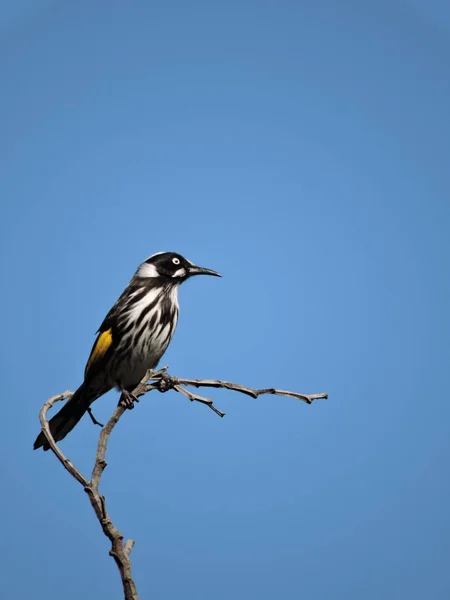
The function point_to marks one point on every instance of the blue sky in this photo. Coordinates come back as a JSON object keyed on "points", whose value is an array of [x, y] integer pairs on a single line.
{"points": [[302, 150]]}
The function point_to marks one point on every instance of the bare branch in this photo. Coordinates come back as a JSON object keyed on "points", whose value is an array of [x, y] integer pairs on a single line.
{"points": [[163, 382], [56, 450], [119, 551], [198, 398], [154, 380]]}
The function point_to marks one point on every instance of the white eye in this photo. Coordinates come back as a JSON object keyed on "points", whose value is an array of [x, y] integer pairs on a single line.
{"points": [[176, 261]]}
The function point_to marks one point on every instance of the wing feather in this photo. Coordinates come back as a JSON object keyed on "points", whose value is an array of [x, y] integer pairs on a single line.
{"points": [[101, 346]]}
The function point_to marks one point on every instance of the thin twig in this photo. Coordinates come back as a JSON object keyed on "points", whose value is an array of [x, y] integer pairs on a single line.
{"points": [[198, 398], [154, 380]]}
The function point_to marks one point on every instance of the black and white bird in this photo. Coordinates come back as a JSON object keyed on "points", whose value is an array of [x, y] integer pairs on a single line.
{"points": [[132, 339]]}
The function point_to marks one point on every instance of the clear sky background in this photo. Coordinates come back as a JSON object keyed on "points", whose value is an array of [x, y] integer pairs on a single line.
{"points": [[302, 149]]}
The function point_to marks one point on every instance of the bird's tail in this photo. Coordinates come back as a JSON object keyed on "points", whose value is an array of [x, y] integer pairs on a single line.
{"points": [[66, 419]]}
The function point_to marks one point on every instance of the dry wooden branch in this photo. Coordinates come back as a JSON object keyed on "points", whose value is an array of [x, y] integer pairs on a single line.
{"points": [[163, 382], [119, 551], [57, 452]]}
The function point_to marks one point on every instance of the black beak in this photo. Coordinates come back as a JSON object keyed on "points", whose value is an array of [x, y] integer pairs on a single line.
{"points": [[194, 270]]}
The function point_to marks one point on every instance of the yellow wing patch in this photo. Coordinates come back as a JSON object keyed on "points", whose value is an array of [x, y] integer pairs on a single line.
{"points": [[101, 345]]}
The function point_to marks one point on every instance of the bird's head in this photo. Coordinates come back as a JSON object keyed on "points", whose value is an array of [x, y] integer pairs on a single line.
{"points": [[172, 267]]}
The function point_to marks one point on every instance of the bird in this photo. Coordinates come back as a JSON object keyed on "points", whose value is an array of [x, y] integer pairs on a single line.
{"points": [[131, 340]]}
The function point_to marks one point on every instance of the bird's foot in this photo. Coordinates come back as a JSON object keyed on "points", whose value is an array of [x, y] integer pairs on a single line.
{"points": [[128, 399]]}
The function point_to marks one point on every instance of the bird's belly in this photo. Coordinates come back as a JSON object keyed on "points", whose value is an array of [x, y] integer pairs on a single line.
{"points": [[144, 355], [129, 374]]}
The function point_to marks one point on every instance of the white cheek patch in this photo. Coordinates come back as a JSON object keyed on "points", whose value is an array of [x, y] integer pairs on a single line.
{"points": [[180, 273], [147, 270]]}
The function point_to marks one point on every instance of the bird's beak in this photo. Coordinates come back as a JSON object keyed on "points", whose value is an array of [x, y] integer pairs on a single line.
{"points": [[194, 270]]}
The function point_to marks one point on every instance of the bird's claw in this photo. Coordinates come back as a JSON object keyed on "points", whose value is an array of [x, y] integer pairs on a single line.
{"points": [[128, 399]]}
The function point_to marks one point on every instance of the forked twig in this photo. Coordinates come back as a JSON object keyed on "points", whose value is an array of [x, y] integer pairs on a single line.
{"points": [[163, 382]]}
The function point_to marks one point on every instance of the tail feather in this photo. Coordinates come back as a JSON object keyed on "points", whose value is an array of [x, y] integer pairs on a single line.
{"points": [[66, 419]]}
